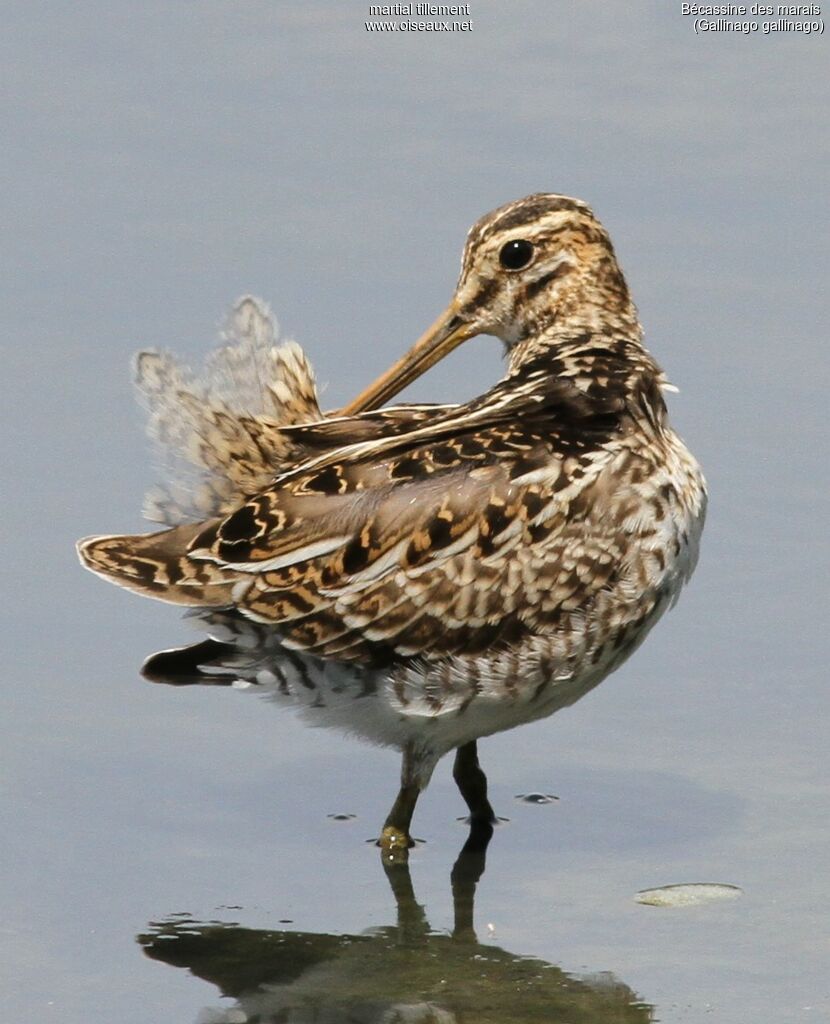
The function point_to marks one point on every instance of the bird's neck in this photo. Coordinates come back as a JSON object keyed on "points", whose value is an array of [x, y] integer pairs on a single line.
{"points": [[602, 354], [582, 330], [587, 314]]}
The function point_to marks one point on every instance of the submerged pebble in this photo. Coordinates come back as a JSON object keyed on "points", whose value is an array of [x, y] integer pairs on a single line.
{"points": [[341, 817], [688, 895], [536, 798]]}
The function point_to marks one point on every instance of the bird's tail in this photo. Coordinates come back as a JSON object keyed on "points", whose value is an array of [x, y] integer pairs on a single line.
{"points": [[156, 564]]}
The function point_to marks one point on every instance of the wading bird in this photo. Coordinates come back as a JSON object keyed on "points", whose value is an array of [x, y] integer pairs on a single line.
{"points": [[484, 563]]}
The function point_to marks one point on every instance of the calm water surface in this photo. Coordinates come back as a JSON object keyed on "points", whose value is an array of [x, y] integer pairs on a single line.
{"points": [[170, 852]]}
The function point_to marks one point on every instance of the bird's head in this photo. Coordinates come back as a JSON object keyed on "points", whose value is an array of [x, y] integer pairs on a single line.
{"points": [[539, 264]]}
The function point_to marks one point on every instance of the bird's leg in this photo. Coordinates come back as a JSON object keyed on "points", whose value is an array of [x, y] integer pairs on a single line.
{"points": [[467, 870], [395, 840], [472, 783]]}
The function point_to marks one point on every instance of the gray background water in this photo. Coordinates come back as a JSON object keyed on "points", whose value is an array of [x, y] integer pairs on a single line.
{"points": [[162, 158]]}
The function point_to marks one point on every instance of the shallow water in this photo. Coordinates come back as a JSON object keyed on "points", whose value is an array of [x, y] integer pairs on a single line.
{"points": [[163, 160]]}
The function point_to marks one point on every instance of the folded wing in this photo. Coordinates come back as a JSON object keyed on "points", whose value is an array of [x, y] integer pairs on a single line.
{"points": [[442, 540]]}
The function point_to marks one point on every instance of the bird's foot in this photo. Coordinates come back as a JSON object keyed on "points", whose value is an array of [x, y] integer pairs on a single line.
{"points": [[395, 844]]}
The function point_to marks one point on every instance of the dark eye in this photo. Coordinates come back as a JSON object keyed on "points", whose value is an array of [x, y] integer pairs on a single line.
{"points": [[516, 254]]}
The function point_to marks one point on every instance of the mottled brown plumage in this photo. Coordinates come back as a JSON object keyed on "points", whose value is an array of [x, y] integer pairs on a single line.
{"points": [[528, 537]]}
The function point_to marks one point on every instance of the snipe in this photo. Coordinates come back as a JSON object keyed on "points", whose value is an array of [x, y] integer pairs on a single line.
{"points": [[488, 561]]}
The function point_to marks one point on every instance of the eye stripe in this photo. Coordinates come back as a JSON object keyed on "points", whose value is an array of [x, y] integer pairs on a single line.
{"points": [[487, 292], [560, 270]]}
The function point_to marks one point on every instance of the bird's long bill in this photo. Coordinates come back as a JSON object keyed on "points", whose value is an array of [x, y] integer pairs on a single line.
{"points": [[447, 333]]}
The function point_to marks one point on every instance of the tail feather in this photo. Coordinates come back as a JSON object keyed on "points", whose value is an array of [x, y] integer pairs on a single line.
{"points": [[156, 564], [219, 433], [221, 438]]}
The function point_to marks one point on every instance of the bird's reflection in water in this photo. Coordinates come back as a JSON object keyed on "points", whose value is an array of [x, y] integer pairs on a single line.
{"points": [[401, 974], [424, 721]]}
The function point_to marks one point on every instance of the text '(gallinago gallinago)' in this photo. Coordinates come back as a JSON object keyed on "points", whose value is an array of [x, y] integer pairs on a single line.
{"points": [[488, 561]]}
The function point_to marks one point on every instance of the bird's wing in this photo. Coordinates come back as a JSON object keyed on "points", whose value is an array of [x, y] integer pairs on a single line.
{"points": [[427, 542]]}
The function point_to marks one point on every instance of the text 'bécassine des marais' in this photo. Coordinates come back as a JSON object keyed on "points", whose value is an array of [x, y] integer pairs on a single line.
{"points": [[404, 10], [793, 10]]}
